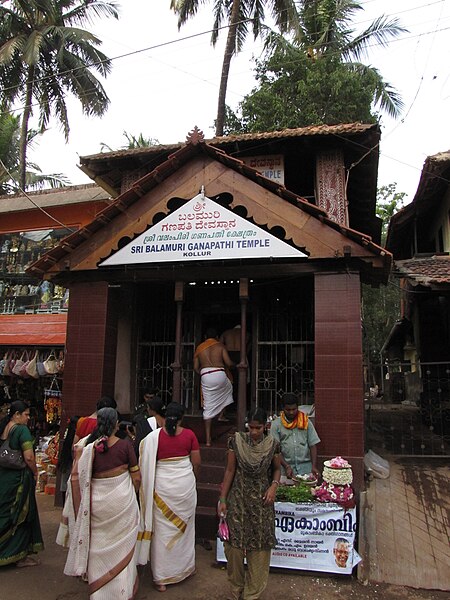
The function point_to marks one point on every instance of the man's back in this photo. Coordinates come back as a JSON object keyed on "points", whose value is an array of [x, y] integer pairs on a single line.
{"points": [[214, 356], [231, 339]]}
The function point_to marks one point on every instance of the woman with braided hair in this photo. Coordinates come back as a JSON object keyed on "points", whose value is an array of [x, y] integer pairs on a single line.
{"points": [[103, 544], [170, 461]]}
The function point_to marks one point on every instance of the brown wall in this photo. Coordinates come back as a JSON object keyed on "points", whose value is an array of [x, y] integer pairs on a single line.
{"points": [[90, 348], [339, 394]]}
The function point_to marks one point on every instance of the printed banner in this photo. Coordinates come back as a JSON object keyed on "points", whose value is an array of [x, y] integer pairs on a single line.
{"points": [[201, 230], [312, 537]]}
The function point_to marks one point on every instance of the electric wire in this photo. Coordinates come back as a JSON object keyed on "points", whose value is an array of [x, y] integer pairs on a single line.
{"points": [[24, 193], [436, 30], [209, 31]]}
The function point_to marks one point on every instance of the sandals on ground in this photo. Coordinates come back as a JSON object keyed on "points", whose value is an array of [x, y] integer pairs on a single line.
{"points": [[28, 562]]}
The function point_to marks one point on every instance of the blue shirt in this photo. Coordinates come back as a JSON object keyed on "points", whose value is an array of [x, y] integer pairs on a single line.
{"points": [[295, 445]]}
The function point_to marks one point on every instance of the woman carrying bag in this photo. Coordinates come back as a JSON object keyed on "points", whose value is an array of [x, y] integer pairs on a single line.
{"points": [[20, 530], [249, 487]]}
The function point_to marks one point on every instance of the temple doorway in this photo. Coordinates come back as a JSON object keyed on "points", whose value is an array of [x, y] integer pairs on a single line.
{"points": [[280, 329]]}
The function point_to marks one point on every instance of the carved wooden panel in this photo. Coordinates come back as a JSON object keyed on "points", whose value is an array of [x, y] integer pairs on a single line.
{"points": [[330, 185]]}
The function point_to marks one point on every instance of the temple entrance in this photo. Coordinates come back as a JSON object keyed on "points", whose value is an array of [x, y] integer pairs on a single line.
{"points": [[280, 330]]}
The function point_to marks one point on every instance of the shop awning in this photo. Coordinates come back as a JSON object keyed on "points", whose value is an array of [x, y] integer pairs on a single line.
{"points": [[45, 329]]}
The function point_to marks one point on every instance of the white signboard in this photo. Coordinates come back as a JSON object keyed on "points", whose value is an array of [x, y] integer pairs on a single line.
{"points": [[271, 166], [201, 230], [312, 537]]}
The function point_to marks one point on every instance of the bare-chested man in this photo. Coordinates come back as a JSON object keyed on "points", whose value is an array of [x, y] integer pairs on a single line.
{"points": [[210, 360]]}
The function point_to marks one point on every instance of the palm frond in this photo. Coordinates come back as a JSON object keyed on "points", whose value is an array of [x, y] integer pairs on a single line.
{"points": [[380, 32], [385, 95]]}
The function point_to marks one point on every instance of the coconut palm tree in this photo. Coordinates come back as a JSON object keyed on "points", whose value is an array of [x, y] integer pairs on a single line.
{"points": [[45, 54], [326, 31], [239, 15], [133, 142], [10, 158]]}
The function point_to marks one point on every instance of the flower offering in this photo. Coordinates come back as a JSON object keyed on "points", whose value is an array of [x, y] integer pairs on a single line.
{"points": [[336, 487]]}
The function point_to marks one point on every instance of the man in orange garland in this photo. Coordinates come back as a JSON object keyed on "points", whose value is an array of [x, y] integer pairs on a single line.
{"points": [[210, 361], [297, 437]]}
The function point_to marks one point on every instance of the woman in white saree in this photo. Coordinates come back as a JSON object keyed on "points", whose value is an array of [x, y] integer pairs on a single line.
{"points": [[169, 461], [103, 544]]}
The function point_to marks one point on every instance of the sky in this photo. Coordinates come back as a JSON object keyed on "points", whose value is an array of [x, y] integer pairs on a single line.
{"points": [[164, 82]]}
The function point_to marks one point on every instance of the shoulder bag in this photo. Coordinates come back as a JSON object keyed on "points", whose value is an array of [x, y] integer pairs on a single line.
{"points": [[10, 458], [51, 365], [18, 365], [32, 367]]}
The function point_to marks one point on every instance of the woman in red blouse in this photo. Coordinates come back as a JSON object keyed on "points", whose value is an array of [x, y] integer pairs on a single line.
{"points": [[170, 462]]}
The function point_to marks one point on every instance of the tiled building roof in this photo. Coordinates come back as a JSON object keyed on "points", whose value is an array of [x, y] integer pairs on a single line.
{"points": [[428, 271], [312, 130], [168, 168]]}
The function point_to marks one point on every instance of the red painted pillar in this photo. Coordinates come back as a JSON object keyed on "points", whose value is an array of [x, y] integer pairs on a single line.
{"points": [[339, 390], [89, 370]]}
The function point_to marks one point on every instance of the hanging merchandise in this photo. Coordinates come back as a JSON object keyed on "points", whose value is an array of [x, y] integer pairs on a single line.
{"points": [[31, 367], [51, 364], [52, 450], [53, 402]]}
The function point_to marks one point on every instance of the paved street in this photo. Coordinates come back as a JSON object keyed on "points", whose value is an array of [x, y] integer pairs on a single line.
{"points": [[48, 582]]}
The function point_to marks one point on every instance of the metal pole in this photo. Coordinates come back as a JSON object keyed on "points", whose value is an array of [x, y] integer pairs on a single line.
{"points": [[176, 365], [242, 367]]}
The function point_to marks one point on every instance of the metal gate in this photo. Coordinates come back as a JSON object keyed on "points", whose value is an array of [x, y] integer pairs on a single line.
{"points": [[282, 349], [411, 415], [284, 341], [156, 348]]}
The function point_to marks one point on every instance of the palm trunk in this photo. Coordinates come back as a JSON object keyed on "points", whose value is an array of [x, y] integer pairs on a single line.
{"points": [[24, 130], [229, 51]]}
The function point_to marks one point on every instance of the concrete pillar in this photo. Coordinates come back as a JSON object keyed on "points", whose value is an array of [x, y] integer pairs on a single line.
{"points": [[91, 342], [339, 390]]}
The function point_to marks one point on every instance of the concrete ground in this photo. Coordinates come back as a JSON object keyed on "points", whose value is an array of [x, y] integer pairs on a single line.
{"points": [[406, 528], [47, 582]]}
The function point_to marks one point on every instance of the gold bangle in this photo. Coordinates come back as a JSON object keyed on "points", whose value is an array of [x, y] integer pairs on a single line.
{"points": [[276, 482]]}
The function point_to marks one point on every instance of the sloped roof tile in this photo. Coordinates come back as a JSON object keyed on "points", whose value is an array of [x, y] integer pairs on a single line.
{"points": [[428, 271]]}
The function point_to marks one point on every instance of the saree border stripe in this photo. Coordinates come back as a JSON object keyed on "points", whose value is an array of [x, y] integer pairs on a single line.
{"points": [[169, 514], [111, 574], [144, 535]]}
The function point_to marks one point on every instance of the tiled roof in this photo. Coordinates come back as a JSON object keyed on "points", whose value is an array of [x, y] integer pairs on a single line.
{"points": [[312, 130], [170, 166], [432, 187], [428, 271], [73, 194]]}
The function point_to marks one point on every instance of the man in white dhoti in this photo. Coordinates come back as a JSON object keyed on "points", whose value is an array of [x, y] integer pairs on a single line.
{"points": [[211, 361]]}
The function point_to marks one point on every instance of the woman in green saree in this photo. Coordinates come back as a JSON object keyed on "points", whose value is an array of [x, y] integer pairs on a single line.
{"points": [[20, 530]]}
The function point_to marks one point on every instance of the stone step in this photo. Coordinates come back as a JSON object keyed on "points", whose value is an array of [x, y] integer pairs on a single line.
{"points": [[214, 455], [211, 473], [208, 494], [219, 431], [206, 523]]}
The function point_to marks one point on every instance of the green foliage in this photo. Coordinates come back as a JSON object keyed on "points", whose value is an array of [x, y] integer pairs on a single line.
{"points": [[9, 160], [389, 201], [296, 92], [132, 142], [380, 310], [294, 493], [317, 77], [381, 306], [46, 55], [239, 16]]}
